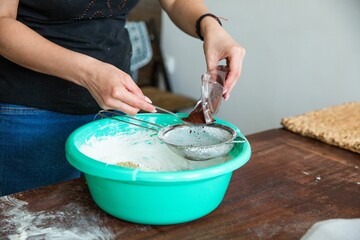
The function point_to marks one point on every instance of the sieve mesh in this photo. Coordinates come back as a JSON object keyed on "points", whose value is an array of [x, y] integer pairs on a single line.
{"points": [[196, 135]]}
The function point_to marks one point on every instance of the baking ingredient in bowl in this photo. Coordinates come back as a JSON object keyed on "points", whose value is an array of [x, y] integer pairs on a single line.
{"points": [[143, 149], [128, 164]]}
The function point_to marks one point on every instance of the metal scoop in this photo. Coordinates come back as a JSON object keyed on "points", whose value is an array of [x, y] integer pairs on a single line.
{"points": [[212, 87], [192, 141]]}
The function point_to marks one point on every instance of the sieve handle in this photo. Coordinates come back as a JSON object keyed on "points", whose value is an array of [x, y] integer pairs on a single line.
{"points": [[238, 139], [154, 127], [169, 112]]}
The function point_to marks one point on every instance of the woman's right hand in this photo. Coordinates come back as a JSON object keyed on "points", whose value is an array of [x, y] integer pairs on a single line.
{"points": [[115, 89]]}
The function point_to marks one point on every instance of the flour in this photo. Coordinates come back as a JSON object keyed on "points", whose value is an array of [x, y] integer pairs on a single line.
{"points": [[333, 229], [142, 148], [69, 223]]}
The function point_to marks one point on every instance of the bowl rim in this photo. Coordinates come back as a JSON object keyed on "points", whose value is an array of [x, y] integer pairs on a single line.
{"points": [[92, 166]]}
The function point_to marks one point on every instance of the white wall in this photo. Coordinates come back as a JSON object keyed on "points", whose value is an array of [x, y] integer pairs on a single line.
{"points": [[302, 55]]}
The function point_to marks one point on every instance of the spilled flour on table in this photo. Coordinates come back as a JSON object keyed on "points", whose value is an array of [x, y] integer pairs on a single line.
{"points": [[70, 223], [142, 149]]}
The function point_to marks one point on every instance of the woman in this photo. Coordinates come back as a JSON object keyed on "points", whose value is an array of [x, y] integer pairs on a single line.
{"points": [[62, 61]]}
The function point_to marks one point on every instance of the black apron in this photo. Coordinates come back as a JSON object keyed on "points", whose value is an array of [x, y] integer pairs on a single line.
{"points": [[94, 28]]}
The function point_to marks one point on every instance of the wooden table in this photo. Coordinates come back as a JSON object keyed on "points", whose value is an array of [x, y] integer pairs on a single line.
{"points": [[290, 183]]}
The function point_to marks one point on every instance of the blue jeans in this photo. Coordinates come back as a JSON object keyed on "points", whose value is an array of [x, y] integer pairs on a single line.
{"points": [[32, 147]]}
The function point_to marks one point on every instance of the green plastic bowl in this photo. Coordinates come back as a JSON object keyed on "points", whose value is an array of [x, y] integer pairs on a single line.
{"points": [[157, 198]]}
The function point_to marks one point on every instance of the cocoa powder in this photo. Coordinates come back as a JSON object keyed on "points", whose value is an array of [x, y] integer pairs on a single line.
{"points": [[196, 116]]}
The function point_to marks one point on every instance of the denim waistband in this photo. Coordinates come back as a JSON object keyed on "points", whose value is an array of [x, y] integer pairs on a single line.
{"points": [[9, 109]]}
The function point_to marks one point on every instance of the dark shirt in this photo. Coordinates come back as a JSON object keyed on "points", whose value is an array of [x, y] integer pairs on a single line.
{"points": [[95, 28]]}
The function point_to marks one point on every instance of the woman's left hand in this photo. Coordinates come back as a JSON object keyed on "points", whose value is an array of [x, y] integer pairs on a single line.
{"points": [[219, 45]]}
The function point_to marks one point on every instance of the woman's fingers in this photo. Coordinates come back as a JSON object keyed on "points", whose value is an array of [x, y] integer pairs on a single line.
{"points": [[131, 103], [234, 62], [114, 89]]}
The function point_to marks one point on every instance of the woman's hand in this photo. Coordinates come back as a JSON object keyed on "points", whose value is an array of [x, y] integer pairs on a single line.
{"points": [[115, 89], [219, 45]]}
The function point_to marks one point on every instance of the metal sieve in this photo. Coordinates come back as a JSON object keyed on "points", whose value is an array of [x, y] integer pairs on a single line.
{"points": [[192, 141], [200, 141]]}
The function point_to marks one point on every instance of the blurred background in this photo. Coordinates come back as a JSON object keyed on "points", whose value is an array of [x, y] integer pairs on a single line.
{"points": [[302, 55]]}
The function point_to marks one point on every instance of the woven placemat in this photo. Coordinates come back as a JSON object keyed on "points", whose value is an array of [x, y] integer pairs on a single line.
{"points": [[337, 125]]}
